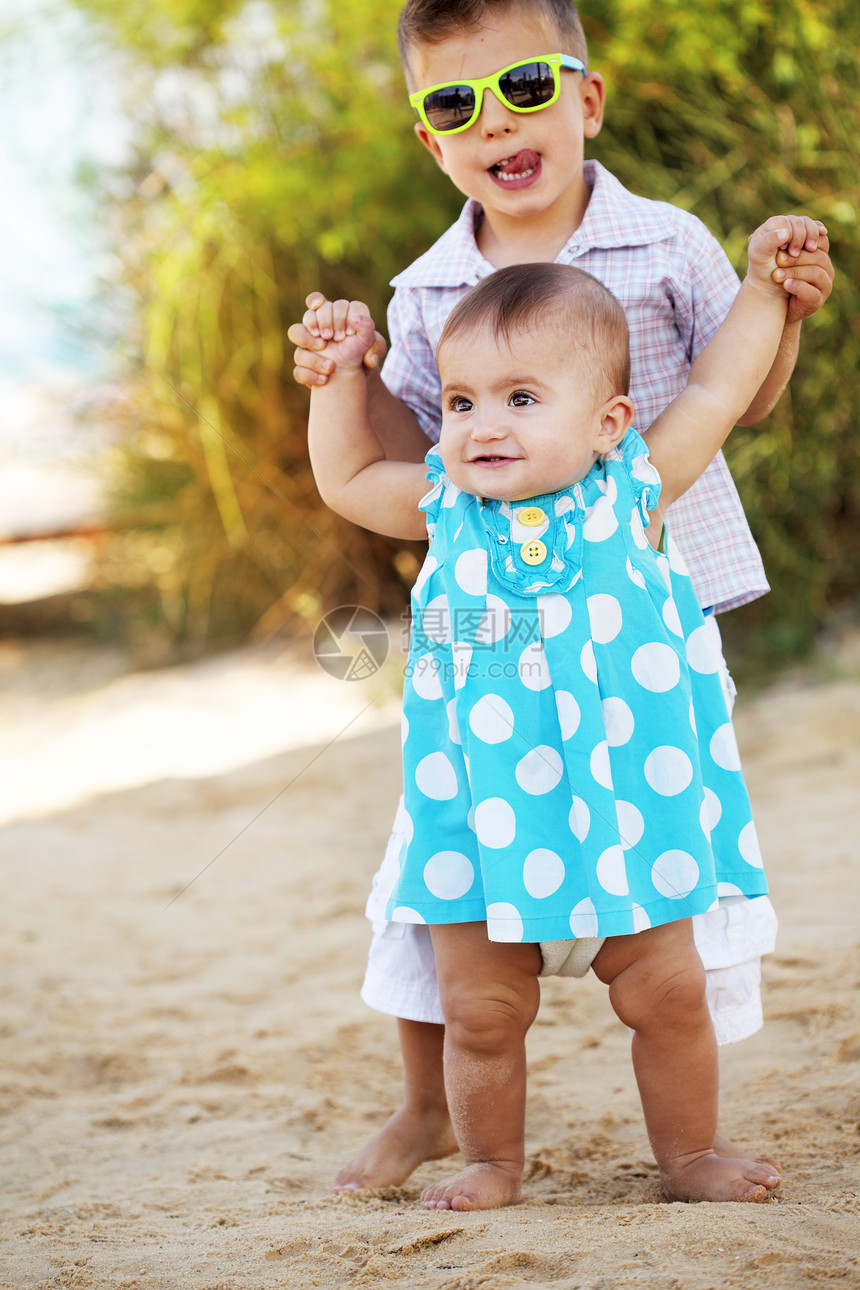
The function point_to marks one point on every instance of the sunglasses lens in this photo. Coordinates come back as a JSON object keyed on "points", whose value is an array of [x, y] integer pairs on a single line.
{"points": [[448, 108], [528, 86]]}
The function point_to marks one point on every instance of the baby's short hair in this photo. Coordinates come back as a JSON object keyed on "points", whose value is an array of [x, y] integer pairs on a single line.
{"points": [[580, 309], [429, 22]]}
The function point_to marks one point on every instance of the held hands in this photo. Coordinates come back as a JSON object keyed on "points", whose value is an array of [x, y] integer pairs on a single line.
{"points": [[333, 333], [790, 252]]}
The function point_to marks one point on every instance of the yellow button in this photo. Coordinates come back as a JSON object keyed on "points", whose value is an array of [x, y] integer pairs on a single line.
{"points": [[533, 552], [531, 516]]}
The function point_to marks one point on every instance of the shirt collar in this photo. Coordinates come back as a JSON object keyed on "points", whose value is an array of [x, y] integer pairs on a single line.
{"points": [[614, 217]]}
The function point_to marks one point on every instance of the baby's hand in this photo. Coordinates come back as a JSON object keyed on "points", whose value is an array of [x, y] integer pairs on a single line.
{"points": [[791, 253], [326, 321]]}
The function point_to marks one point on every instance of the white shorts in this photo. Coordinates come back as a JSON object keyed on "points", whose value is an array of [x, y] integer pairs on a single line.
{"points": [[401, 970]]}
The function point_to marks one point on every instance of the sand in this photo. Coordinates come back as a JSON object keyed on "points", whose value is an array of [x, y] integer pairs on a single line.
{"points": [[186, 1061]]}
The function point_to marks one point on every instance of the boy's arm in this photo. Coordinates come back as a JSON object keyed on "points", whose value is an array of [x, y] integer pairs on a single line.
{"points": [[730, 369], [348, 460], [394, 422], [811, 269]]}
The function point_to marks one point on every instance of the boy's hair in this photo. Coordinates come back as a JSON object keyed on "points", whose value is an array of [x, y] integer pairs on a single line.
{"points": [[429, 22], [581, 310]]}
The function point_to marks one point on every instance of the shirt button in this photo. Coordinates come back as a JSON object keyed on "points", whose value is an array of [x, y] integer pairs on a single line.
{"points": [[531, 516], [533, 552]]}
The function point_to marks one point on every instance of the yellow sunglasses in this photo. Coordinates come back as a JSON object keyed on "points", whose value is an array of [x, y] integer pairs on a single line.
{"points": [[522, 87]]}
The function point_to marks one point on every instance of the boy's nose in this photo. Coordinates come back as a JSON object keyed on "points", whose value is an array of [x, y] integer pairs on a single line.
{"points": [[495, 117]]}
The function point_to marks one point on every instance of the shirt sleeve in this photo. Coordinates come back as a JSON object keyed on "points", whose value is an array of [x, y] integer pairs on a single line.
{"points": [[710, 284], [409, 370]]}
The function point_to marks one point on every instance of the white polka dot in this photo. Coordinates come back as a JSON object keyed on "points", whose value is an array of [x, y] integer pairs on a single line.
{"points": [[600, 768], [534, 668], [436, 620], [495, 822], [641, 921], [618, 722], [403, 914], [665, 571], [491, 719], [693, 717], [543, 873], [495, 621], [749, 847], [631, 824], [579, 819], [611, 872], [436, 777], [470, 572], [637, 530], [539, 771], [448, 875], [710, 812], [668, 770], [404, 728], [453, 726], [450, 495], [635, 575], [403, 824], [425, 677], [568, 713], [604, 615], [600, 521], [724, 748], [702, 655], [429, 566], [726, 890], [675, 874], [670, 617], [587, 663], [656, 667], [504, 922], [554, 615], [583, 918], [676, 560], [461, 659]]}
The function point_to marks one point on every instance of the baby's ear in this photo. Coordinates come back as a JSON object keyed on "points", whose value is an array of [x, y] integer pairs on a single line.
{"points": [[615, 419]]}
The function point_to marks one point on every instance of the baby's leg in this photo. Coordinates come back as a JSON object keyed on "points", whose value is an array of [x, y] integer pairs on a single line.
{"points": [[657, 987], [490, 995], [420, 1129]]}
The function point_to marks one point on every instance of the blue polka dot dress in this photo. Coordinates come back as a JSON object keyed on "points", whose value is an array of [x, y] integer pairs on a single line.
{"points": [[569, 764]]}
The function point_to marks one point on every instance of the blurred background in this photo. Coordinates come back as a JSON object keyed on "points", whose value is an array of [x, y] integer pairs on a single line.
{"points": [[177, 174]]}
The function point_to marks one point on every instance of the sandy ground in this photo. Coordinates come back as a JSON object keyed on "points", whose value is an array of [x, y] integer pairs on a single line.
{"points": [[186, 1062]]}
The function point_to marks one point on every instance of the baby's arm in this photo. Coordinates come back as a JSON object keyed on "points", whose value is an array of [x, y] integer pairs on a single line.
{"points": [[730, 369], [395, 424], [352, 474]]}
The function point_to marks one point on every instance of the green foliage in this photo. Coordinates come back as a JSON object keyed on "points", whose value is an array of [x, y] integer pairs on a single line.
{"points": [[275, 155], [736, 111]]}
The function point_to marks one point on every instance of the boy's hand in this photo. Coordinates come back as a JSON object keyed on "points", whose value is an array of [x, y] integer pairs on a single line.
{"points": [[791, 251], [326, 321]]}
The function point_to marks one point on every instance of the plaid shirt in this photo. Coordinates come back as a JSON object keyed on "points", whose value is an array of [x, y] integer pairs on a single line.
{"points": [[676, 286]]}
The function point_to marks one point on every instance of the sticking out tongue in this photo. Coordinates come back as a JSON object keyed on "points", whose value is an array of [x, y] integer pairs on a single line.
{"points": [[526, 159]]}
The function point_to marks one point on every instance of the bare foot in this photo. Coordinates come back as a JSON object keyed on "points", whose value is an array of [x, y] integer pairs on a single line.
{"points": [[722, 1147], [717, 1178], [487, 1185], [401, 1145]]}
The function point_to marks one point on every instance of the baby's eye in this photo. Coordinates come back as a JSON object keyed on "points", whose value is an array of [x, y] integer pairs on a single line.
{"points": [[459, 403], [521, 399]]}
